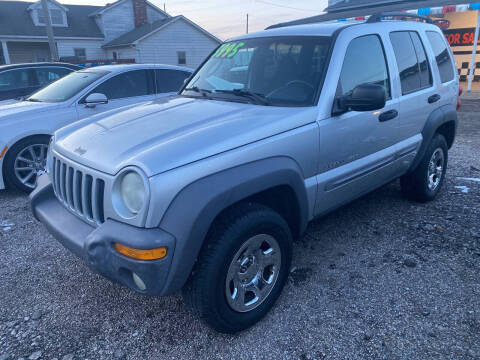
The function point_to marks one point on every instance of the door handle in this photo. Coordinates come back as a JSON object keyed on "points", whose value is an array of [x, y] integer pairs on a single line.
{"points": [[433, 99], [388, 115]]}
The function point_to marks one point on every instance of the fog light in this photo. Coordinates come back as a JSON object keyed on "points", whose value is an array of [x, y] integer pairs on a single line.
{"points": [[139, 282], [150, 254]]}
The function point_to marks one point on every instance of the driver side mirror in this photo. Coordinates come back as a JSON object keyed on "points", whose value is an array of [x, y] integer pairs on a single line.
{"points": [[364, 97], [95, 99]]}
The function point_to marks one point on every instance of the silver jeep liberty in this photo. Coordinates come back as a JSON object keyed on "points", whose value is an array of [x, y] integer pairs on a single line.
{"points": [[206, 190]]}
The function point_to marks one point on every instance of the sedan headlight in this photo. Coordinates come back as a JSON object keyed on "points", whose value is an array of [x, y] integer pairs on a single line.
{"points": [[133, 191], [130, 193]]}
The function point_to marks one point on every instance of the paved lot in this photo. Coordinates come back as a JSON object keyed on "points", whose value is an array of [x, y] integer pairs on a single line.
{"points": [[382, 278]]}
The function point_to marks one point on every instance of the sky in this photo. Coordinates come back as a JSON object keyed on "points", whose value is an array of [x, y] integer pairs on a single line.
{"points": [[227, 18]]}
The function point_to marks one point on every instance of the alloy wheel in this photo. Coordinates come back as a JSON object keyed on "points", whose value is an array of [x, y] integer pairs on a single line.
{"points": [[30, 163]]}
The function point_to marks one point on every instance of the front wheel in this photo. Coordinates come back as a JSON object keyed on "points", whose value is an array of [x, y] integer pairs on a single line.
{"points": [[425, 182], [25, 162], [242, 268]]}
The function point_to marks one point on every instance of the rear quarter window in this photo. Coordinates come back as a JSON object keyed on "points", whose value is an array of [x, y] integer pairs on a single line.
{"points": [[442, 56], [170, 80]]}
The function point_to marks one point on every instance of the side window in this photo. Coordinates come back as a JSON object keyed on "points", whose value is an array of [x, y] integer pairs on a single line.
{"points": [[442, 56], [128, 84], [411, 60], [47, 75], [425, 72], [364, 63], [15, 79], [170, 80]]}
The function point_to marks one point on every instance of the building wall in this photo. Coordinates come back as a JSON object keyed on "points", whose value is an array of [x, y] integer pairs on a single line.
{"points": [[27, 52], [162, 46], [93, 48], [153, 15], [118, 20], [123, 53]]}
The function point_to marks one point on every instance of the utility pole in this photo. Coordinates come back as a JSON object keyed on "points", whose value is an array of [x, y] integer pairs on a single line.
{"points": [[164, 7], [247, 23], [471, 72], [48, 26]]}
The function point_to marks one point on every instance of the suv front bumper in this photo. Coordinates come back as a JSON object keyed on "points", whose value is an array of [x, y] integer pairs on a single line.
{"points": [[96, 245]]}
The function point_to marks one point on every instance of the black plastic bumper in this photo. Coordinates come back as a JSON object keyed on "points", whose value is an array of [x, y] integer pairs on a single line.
{"points": [[96, 245]]}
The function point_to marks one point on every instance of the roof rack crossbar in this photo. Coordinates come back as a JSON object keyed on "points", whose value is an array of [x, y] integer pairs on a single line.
{"points": [[379, 16]]}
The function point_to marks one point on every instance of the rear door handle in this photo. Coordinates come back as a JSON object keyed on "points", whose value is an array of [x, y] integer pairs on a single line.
{"points": [[388, 115], [433, 99]]}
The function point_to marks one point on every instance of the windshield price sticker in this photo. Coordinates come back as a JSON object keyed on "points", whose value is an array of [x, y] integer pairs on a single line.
{"points": [[228, 50]]}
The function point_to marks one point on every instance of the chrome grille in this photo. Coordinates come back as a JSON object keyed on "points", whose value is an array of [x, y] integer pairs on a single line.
{"points": [[82, 193]]}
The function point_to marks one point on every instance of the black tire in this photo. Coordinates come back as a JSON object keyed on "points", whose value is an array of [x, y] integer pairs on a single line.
{"points": [[205, 292], [415, 185], [11, 180]]}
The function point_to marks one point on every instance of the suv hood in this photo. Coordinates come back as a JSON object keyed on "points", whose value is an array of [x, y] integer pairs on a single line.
{"points": [[174, 131]]}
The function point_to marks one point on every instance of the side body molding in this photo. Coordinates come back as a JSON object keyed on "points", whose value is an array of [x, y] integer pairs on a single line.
{"points": [[193, 210], [437, 118]]}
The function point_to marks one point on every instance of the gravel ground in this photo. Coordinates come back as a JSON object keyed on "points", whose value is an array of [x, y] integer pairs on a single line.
{"points": [[382, 278]]}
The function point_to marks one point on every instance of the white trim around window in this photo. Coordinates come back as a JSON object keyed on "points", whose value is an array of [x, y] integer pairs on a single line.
{"points": [[55, 15]]}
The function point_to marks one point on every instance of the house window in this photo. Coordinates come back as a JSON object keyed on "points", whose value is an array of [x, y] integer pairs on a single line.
{"points": [[56, 16], [80, 53], [182, 57]]}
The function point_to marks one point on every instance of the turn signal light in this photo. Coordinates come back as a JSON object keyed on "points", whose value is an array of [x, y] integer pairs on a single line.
{"points": [[4, 151], [459, 102], [151, 254]]}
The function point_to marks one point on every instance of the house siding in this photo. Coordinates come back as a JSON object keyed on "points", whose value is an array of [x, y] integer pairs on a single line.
{"points": [[124, 53], [162, 46], [27, 52], [154, 15], [92, 47], [118, 20]]}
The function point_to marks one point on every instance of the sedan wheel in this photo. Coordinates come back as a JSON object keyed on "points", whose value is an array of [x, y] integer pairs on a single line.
{"points": [[24, 162], [30, 163]]}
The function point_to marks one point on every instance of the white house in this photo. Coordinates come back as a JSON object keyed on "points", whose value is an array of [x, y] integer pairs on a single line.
{"points": [[134, 30]]}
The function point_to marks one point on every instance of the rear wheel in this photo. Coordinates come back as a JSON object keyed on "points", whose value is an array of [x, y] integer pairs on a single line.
{"points": [[242, 268], [25, 162], [425, 182]]}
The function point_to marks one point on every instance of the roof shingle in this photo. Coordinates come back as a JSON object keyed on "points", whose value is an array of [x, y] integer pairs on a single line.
{"points": [[16, 20]]}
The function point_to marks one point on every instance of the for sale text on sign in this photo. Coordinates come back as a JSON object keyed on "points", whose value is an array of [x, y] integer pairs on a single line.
{"points": [[460, 37]]}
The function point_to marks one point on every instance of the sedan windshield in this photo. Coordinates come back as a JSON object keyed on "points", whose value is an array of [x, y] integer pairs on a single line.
{"points": [[280, 71], [67, 87]]}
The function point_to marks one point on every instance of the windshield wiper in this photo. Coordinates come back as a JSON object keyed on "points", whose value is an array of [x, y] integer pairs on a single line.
{"points": [[33, 100], [258, 98], [203, 92]]}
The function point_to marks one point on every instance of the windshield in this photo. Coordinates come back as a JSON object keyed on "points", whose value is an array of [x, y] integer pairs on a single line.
{"points": [[280, 71], [67, 86]]}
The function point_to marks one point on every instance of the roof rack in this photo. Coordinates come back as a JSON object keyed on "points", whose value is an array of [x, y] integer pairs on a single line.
{"points": [[379, 16]]}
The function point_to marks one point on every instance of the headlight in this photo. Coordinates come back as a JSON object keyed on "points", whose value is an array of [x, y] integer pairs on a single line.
{"points": [[48, 163], [133, 192], [130, 193]]}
